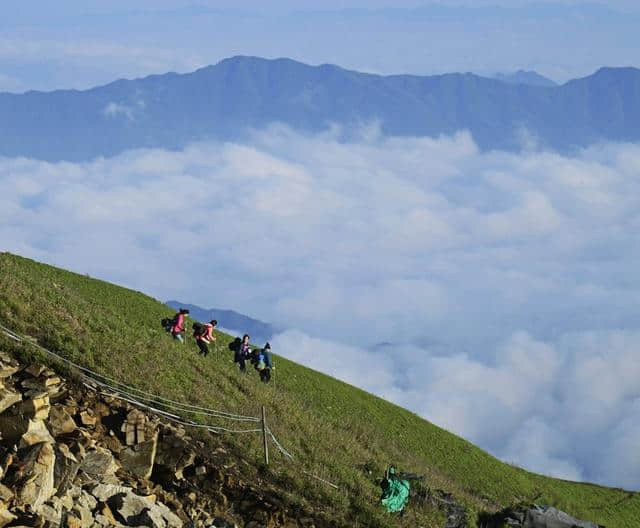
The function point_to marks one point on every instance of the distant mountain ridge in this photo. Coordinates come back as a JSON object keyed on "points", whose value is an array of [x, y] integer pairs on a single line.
{"points": [[230, 320], [530, 78], [224, 101]]}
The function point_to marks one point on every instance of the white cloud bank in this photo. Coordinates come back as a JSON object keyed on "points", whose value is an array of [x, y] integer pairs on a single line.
{"points": [[570, 408], [507, 283]]}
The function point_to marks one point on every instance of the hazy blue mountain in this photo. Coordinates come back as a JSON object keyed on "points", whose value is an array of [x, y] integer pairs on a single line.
{"points": [[225, 100], [530, 78], [230, 320]]}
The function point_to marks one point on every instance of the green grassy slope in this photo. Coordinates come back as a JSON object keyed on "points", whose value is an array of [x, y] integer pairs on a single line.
{"points": [[334, 430]]}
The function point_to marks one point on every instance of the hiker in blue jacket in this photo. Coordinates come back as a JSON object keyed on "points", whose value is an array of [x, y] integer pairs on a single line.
{"points": [[261, 360]]}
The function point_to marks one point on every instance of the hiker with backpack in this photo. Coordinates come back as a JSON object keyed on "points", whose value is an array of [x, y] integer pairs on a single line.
{"points": [[234, 346], [204, 335], [175, 326], [261, 360], [243, 353]]}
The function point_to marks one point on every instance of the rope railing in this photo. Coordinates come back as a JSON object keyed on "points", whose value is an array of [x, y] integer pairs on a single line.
{"points": [[172, 417], [277, 444], [110, 387], [176, 406], [116, 385]]}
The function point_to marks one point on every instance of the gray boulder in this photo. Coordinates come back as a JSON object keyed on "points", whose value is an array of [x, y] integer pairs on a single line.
{"points": [[98, 463], [65, 469], [139, 459], [549, 517]]}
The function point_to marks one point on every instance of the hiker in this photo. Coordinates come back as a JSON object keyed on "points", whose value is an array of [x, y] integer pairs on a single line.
{"points": [[263, 363], [204, 336], [243, 353], [234, 346], [177, 327]]}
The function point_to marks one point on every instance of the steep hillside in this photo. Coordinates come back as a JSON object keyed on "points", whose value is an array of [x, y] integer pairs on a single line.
{"points": [[226, 100], [334, 431]]}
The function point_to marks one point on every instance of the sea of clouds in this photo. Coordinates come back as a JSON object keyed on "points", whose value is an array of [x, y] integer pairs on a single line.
{"points": [[493, 293]]}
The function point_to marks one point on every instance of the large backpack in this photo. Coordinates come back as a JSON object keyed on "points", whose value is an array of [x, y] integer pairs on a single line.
{"points": [[198, 329], [234, 346], [265, 375], [167, 323]]}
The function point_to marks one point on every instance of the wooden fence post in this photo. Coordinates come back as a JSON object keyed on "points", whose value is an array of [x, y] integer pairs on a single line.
{"points": [[264, 437]]}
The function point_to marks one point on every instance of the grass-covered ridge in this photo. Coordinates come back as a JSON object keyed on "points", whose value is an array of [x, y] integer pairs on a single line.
{"points": [[334, 430]]}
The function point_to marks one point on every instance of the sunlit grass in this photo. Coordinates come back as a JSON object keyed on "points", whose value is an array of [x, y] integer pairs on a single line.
{"points": [[335, 431]]}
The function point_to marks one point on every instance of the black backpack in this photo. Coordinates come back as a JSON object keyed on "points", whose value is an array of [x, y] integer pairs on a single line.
{"points": [[265, 375], [198, 329], [234, 346], [167, 324]]}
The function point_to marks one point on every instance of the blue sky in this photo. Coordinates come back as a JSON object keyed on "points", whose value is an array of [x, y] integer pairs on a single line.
{"points": [[82, 44]]}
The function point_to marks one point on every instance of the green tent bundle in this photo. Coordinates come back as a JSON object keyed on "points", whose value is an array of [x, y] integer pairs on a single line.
{"points": [[395, 492]]}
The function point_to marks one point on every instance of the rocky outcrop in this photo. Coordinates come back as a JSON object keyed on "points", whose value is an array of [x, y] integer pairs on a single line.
{"points": [[532, 516], [72, 457]]}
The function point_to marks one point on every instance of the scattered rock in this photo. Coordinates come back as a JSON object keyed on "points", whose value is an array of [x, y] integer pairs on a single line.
{"points": [[98, 463], [533, 516], [174, 454], [74, 458], [60, 422], [88, 501], [35, 370], [73, 522], [65, 469], [6, 517], [83, 515], [88, 418], [51, 515], [6, 494], [36, 432], [108, 514], [134, 509], [102, 492], [7, 369], [112, 443], [172, 520], [134, 427], [139, 458], [35, 474], [8, 398], [37, 406], [12, 427], [41, 383]]}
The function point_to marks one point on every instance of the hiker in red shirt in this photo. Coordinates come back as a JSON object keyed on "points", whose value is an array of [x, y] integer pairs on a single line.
{"points": [[205, 336], [178, 325]]}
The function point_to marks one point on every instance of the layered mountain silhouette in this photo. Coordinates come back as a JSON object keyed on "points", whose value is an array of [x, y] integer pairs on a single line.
{"points": [[225, 101], [531, 78]]}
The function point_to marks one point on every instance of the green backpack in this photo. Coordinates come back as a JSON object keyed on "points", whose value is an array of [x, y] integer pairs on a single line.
{"points": [[395, 492]]}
